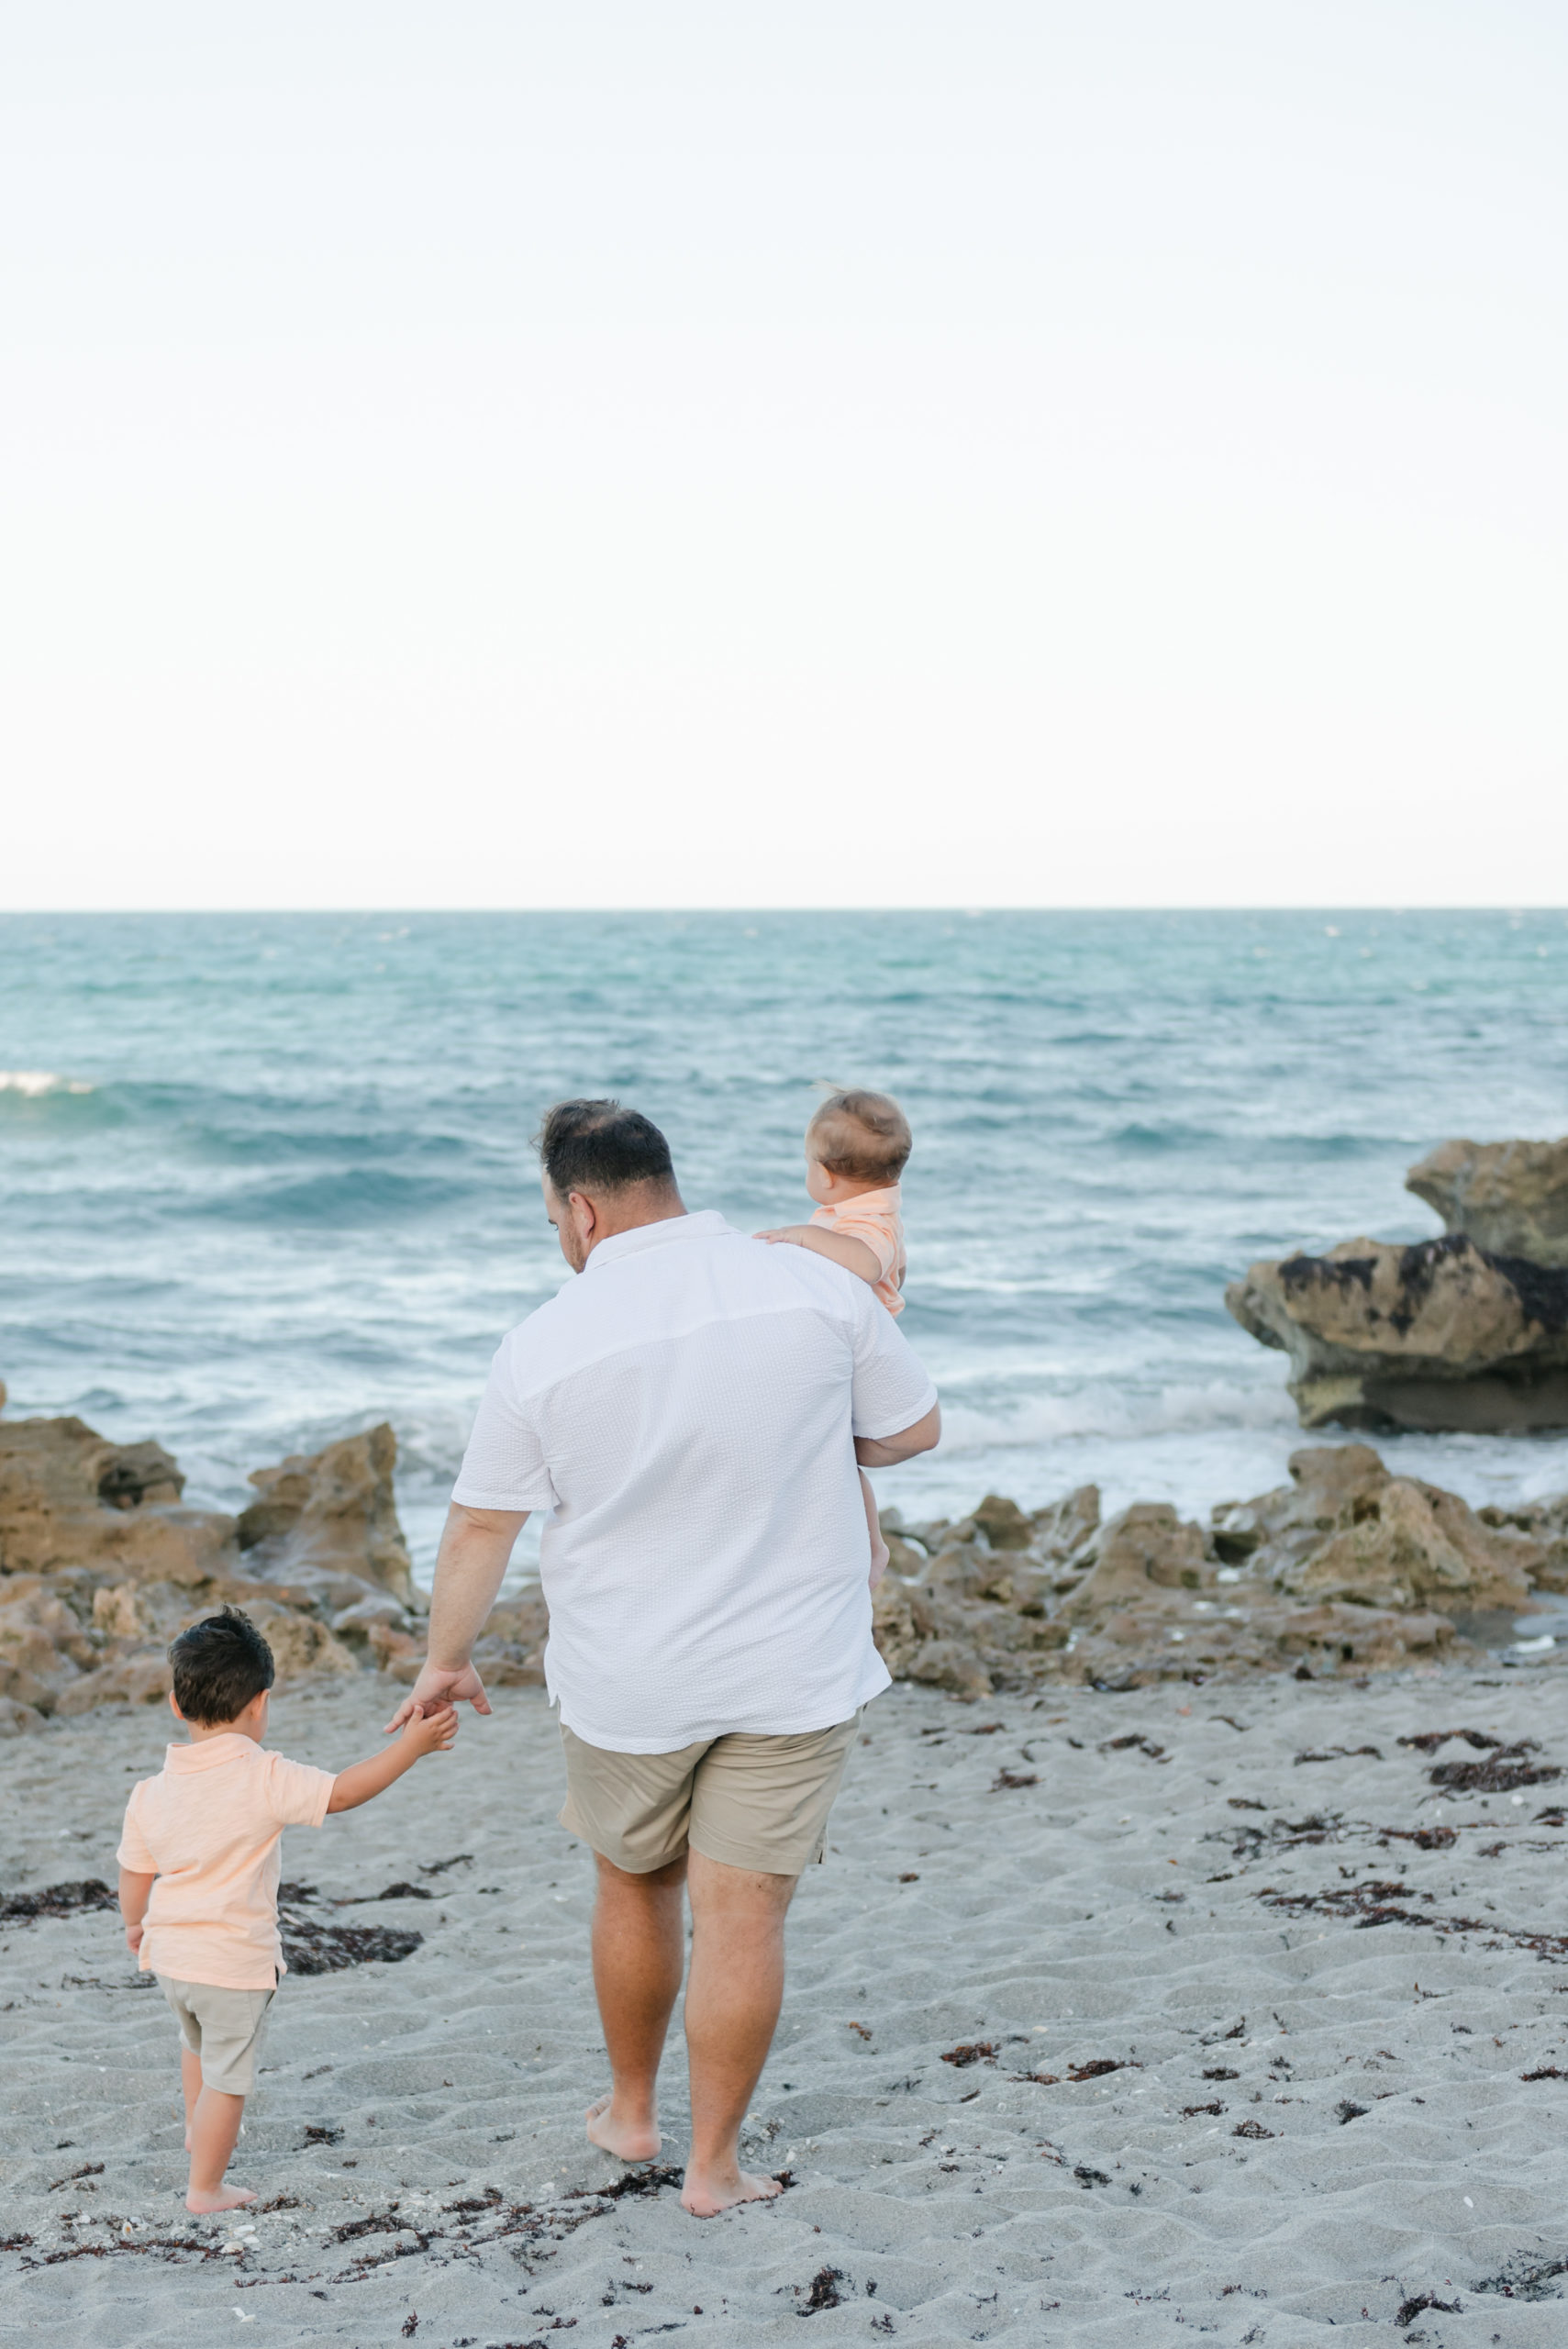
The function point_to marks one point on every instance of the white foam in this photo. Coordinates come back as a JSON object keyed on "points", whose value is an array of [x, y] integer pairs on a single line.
{"points": [[1096, 1409], [35, 1082]]}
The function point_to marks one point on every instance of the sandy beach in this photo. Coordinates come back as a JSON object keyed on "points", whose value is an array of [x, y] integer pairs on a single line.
{"points": [[1290, 2114]]}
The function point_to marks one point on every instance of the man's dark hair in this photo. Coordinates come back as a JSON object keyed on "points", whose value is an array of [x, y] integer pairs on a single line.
{"points": [[599, 1146], [219, 1664]]}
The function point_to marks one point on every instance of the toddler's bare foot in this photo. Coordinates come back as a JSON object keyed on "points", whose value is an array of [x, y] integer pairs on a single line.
{"points": [[629, 2141], [203, 2200], [705, 2196]]}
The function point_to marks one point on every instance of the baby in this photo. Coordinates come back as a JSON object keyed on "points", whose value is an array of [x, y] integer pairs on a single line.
{"points": [[199, 1872], [857, 1146]]}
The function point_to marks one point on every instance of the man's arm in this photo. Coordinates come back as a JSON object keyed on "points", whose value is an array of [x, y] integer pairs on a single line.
{"points": [[473, 1558], [888, 1451], [853, 1254]]}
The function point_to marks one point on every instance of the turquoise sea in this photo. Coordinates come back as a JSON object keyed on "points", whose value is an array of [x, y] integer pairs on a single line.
{"points": [[266, 1178]]}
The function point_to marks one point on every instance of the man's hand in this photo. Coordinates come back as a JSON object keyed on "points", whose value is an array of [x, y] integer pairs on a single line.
{"points": [[438, 1687]]}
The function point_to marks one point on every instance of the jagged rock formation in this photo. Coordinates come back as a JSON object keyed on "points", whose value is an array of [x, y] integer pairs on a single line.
{"points": [[1456, 1334], [329, 1514], [101, 1565], [1509, 1198], [1346, 1569]]}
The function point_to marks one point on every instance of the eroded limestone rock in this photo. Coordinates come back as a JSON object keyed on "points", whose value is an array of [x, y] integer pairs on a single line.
{"points": [[1348, 1569], [1509, 1198], [1440, 1335], [330, 1513], [101, 1565]]}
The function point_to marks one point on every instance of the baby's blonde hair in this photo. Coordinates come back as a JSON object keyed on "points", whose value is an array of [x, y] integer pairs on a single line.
{"points": [[864, 1136]]}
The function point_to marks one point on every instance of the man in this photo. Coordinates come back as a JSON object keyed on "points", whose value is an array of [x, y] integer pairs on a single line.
{"points": [[691, 1409]]}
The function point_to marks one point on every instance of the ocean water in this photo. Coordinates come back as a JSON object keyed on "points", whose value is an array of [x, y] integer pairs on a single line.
{"points": [[266, 1179]]}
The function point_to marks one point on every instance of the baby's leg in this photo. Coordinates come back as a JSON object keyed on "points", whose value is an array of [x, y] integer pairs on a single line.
{"points": [[874, 1527], [215, 2131]]}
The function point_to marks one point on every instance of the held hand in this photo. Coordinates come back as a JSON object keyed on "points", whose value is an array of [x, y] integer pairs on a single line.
{"points": [[441, 1684], [432, 1732], [879, 1562]]}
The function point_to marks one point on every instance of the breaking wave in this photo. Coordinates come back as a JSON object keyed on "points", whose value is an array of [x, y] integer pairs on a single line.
{"points": [[1097, 1410], [32, 1083]]}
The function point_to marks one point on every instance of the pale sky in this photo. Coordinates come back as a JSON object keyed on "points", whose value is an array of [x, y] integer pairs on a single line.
{"points": [[625, 453]]}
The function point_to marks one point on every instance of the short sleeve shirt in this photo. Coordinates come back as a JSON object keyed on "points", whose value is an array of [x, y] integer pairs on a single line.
{"points": [[209, 1827], [687, 1409], [875, 1219]]}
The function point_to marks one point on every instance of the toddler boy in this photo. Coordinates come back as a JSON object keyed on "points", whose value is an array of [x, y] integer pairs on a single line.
{"points": [[857, 1147], [199, 1866]]}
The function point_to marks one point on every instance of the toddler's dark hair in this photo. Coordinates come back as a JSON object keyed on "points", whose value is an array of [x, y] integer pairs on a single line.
{"points": [[219, 1664], [864, 1136]]}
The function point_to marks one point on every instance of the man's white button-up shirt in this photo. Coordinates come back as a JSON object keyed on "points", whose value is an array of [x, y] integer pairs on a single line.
{"points": [[687, 1408]]}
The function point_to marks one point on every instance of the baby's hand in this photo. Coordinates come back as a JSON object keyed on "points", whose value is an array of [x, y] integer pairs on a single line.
{"points": [[792, 1233], [133, 1937], [431, 1732]]}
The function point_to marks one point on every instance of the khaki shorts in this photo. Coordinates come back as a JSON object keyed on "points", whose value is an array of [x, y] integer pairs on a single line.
{"points": [[223, 2027], [751, 1802]]}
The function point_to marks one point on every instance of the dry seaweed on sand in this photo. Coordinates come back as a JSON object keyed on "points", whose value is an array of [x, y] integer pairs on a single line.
{"points": [[1380, 1901], [55, 1900], [1142, 1745], [1013, 1778], [973, 2051], [310, 1947], [1251, 2129], [1525, 2278], [1500, 1773], [1428, 1740], [1420, 2303], [1339, 1753]]}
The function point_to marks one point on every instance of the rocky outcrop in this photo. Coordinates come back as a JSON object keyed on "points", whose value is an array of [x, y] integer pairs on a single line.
{"points": [[101, 1565], [1348, 1569], [1438, 1335], [330, 1514], [1509, 1198]]}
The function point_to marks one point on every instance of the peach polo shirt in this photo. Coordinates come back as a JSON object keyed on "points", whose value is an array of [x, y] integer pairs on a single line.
{"points": [[208, 1827], [875, 1218]]}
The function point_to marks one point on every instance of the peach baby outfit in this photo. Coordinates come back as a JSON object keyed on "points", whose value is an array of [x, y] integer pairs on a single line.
{"points": [[875, 1219], [209, 1826]]}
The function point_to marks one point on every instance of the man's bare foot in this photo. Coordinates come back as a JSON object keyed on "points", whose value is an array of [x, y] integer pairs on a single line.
{"points": [[205, 2201], [705, 2197], [629, 2141]]}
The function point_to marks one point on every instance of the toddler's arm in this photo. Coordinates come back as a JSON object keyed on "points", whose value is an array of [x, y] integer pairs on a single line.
{"points": [[853, 1254], [136, 1891], [426, 1733]]}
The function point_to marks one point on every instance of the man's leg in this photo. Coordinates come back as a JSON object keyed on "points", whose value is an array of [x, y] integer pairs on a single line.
{"points": [[639, 1952], [733, 2004]]}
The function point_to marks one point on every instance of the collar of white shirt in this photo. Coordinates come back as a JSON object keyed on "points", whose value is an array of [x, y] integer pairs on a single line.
{"points": [[642, 1236]]}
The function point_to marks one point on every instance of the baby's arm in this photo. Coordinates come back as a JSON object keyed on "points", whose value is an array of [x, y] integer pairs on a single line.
{"points": [[853, 1254], [136, 1891], [426, 1733]]}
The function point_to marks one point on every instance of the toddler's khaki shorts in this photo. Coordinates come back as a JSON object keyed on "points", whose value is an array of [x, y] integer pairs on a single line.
{"points": [[223, 2027], [751, 1802]]}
